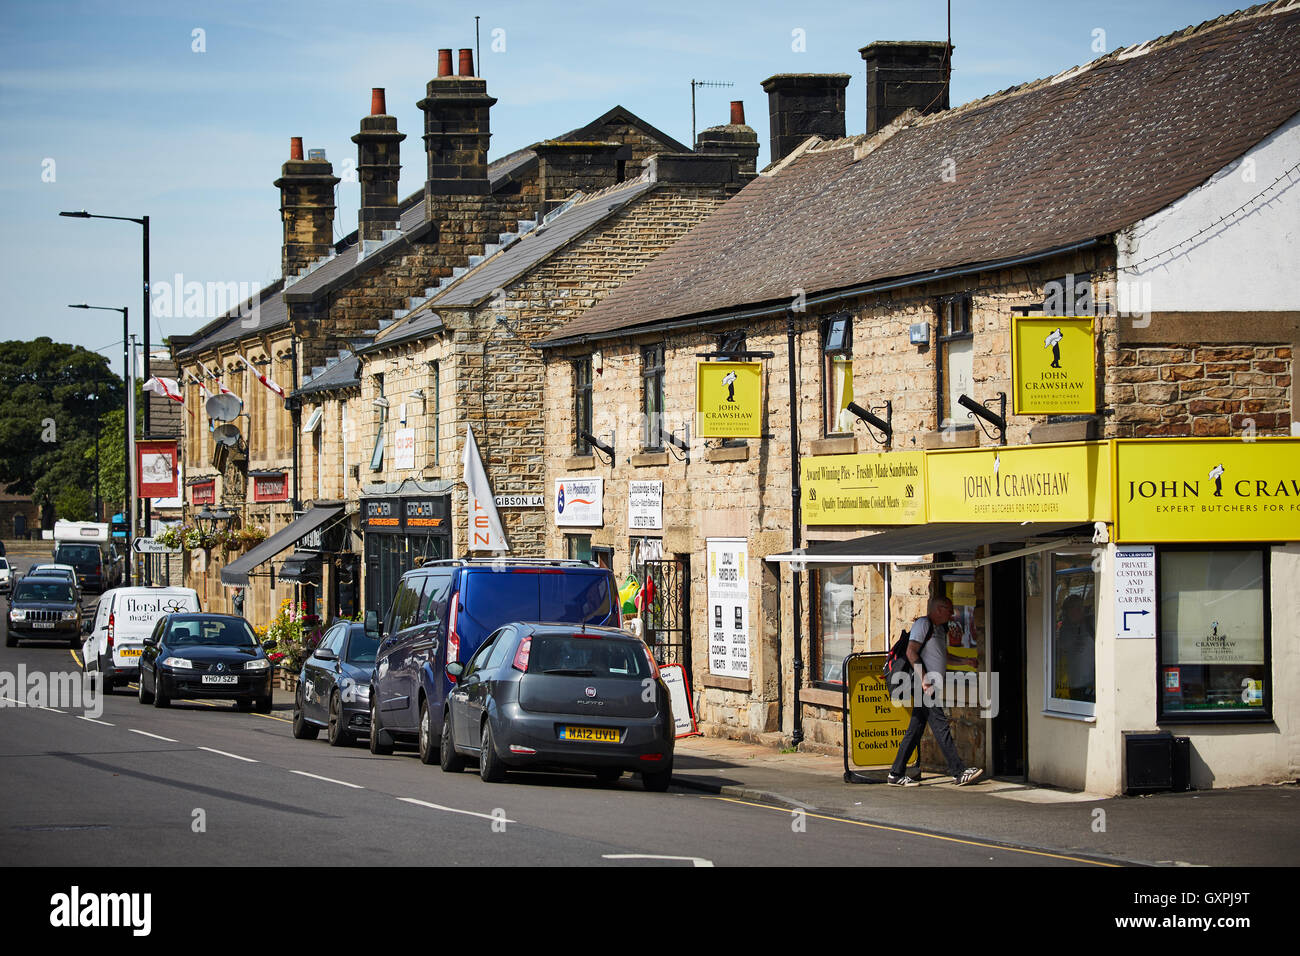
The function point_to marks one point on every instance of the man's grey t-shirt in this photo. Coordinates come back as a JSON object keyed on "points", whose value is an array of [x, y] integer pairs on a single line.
{"points": [[934, 652]]}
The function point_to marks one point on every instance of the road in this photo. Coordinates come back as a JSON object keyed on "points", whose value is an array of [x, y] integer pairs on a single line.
{"points": [[200, 783]]}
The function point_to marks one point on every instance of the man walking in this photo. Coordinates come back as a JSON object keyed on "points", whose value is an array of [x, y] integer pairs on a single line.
{"points": [[927, 650]]}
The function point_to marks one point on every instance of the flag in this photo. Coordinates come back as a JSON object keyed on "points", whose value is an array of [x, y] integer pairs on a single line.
{"points": [[265, 380], [646, 596], [217, 378], [485, 531], [166, 387]]}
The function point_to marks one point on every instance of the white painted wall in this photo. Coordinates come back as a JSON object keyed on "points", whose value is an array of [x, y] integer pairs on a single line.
{"points": [[1249, 262]]}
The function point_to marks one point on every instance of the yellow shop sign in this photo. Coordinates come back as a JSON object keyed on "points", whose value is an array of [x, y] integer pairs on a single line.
{"points": [[1053, 365], [1065, 482], [729, 399], [1207, 489], [883, 488]]}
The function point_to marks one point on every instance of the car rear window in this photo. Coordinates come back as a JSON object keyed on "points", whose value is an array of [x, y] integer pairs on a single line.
{"points": [[587, 657], [494, 597], [77, 554]]}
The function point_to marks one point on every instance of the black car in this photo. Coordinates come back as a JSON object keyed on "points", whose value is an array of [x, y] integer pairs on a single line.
{"points": [[334, 686], [205, 656], [540, 696], [44, 607]]}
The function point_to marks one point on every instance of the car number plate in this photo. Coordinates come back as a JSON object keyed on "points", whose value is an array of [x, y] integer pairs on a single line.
{"points": [[43, 624], [603, 735], [130, 652], [220, 679]]}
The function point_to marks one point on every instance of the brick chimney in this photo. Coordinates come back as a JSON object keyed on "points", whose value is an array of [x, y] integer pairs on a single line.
{"points": [[735, 138], [456, 131], [903, 75], [802, 105], [378, 166], [566, 167], [306, 207]]}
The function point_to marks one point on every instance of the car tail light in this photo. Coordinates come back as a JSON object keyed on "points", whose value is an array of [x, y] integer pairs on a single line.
{"points": [[654, 665], [453, 639], [111, 631], [521, 654], [586, 634], [652, 756]]}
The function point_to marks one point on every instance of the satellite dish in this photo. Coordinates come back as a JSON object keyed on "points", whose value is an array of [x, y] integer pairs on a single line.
{"points": [[223, 408], [226, 435]]}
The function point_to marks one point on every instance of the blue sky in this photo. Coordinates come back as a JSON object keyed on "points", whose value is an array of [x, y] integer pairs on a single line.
{"points": [[136, 122]]}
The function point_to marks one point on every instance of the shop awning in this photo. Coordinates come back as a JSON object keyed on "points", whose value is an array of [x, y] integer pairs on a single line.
{"points": [[237, 571], [303, 567], [910, 545]]}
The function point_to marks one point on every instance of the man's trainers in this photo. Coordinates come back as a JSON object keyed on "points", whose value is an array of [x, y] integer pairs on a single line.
{"points": [[969, 775], [903, 781]]}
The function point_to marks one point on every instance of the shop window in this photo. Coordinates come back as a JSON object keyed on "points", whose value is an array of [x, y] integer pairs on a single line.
{"points": [[652, 396], [955, 360], [377, 456], [1213, 653], [604, 557], [581, 405], [837, 372], [435, 386], [832, 629], [578, 547], [1071, 603]]}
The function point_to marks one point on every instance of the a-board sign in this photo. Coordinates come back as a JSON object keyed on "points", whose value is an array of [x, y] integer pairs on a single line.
{"points": [[875, 725], [679, 693]]}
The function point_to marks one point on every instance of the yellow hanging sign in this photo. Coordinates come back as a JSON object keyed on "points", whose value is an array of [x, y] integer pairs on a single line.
{"points": [[729, 399], [1207, 489], [1053, 365]]}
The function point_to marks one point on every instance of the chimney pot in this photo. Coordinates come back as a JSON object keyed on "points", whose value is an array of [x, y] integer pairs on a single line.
{"points": [[737, 113], [444, 62], [377, 105], [466, 63], [295, 147]]}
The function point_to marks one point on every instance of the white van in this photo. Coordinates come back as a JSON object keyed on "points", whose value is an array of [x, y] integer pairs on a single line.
{"points": [[126, 616]]}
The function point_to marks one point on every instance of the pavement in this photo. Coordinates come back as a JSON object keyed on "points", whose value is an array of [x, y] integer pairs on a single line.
{"points": [[1246, 826]]}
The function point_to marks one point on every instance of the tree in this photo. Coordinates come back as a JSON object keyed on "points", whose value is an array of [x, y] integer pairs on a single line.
{"points": [[112, 453], [47, 419]]}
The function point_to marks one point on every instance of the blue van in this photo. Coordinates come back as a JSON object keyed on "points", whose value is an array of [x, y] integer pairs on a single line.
{"points": [[444, 610]]}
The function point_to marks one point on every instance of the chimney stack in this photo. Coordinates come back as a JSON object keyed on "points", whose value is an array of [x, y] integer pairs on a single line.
{"points": [[306, 208], [903, 75], [802, 105], [378, 166], [563, 168], [456, 131], [735, 138]]}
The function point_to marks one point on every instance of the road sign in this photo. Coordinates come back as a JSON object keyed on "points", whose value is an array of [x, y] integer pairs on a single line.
{"points": [[1135, 591], [150, 546]]}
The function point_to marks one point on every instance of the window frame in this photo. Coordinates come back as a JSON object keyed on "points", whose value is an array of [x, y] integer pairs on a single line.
{"points": [[816, 644], [582, 404], [653, 365], [1051, 703], [943, 339], [1261, 715], [829, 356]]}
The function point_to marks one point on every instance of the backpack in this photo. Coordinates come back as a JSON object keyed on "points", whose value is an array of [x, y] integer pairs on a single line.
{"points": [[896, 661]]}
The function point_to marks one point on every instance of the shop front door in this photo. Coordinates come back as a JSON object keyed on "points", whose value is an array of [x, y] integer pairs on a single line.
{"points": [[1007, 647]]}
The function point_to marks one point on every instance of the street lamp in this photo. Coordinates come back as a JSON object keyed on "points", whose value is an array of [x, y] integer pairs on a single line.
{"points": [[93, 398], [143, 222], [128, 427]]}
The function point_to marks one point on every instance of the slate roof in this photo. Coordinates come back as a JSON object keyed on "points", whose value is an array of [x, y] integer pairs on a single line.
{"points": [[345, 373], [415, 326], [1037, 167]]}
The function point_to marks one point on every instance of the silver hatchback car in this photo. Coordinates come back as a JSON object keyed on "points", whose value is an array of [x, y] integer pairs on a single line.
{"points": [[541, 696]]}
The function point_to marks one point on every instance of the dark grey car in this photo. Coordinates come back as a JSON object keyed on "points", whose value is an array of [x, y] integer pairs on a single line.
{"points": [[541, 696], [45, 607], [334, 686]]}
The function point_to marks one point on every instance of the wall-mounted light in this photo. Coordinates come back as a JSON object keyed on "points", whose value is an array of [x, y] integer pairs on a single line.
{"points": [[884, 425], [596, 443], [999, 422], [418, 395], [381, 402]]}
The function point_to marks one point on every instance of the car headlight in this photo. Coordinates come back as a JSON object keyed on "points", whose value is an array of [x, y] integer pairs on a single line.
{"points": [[260, 664], [178, 662], [17, 614], [71, 615]]}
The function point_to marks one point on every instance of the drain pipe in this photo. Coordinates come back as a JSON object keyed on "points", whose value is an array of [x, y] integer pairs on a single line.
{"points": [[796, 735]]}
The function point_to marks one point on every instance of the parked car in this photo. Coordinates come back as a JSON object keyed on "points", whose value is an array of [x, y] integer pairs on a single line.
{"points": [[44, 607], [124, 618], [441, 614], [334, 686], [96, 564], [539, 696], [205, 656], [6, 576]]}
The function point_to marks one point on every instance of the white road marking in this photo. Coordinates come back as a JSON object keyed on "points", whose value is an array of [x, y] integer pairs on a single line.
{"points": [[468, 813], [94, 721], [24, 703], [341, 783], [694, 860], [145, 733], [224, 754]]}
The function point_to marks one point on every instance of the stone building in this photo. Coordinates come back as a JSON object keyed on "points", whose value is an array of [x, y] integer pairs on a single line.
{"points": [[334, 299], [888, 274]]}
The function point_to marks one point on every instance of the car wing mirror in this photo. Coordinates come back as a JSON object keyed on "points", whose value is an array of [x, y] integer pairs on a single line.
{"points": [[455, 669], [325, 654]]}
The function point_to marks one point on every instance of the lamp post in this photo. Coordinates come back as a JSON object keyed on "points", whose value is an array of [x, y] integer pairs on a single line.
{"points": [[128, 429], [93, 398], [143, 222]]}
